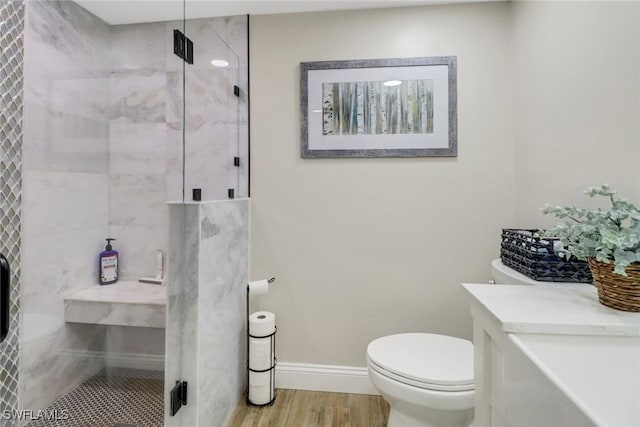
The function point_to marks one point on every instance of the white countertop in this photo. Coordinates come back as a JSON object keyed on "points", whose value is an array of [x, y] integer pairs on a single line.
{"points": [[561, 309], [609, 394]]}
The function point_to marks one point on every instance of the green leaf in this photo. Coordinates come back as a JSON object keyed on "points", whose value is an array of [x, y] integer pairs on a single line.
{"points": [[611, 235]]}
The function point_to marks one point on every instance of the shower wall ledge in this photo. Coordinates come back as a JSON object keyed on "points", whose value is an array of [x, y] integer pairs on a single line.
{"points": [[121, 304], [205, 202]]}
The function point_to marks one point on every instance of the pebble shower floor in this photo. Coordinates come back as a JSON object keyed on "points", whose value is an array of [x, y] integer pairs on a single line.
{"points": [[112, 398]]}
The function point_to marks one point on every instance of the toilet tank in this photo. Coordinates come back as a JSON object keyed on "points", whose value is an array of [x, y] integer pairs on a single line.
{"points": [[504, 275]]}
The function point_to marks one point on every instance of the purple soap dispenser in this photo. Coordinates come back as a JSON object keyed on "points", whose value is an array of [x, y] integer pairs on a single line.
{"points": [[108, 265]]}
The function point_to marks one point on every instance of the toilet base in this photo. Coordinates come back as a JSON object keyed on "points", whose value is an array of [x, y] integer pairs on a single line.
{"points": [[416, 407], [408, 415]]}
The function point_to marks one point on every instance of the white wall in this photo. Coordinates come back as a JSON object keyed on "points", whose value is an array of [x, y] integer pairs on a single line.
{"points": [[577, 88], [549, 104], [362, 248]]}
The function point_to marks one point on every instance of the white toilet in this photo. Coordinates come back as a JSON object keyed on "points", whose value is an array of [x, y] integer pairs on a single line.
{"points": [[426, 378]]}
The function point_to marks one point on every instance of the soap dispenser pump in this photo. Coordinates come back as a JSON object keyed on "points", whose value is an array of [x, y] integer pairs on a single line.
{"points": [[108, 265]]}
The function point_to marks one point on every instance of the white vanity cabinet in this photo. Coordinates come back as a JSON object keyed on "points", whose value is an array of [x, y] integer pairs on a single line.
{"points": [[537, 350], [488, 353]]}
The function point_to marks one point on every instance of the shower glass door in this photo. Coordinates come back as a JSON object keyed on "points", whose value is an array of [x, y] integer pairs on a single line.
{"points": [[213, 162], [209, 229], [101, 124], [103, 118]]}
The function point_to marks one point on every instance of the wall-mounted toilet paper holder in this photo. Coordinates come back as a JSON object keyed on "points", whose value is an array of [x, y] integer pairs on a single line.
{"points": [[271, 370]]}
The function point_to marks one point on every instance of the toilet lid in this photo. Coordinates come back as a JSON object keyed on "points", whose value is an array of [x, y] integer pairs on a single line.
{"points": [[443, 361]]}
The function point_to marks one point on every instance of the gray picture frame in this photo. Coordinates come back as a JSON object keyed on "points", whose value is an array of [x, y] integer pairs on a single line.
{"points": [[308, 151]]}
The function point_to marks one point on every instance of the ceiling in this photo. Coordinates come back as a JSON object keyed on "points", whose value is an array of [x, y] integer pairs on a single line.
{"points": [[133, 11]]}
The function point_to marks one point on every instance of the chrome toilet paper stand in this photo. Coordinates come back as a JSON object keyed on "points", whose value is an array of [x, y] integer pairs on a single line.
{"points": [[272, 349]]}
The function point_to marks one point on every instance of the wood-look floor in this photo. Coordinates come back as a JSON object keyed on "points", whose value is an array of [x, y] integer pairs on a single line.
{"points": [[298, 408]]}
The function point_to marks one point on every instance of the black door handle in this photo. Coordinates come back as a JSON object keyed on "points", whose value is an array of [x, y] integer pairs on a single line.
{"points": [[5, 287]]}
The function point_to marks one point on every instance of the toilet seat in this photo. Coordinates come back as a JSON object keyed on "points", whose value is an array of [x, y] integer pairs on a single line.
{"points": [[418, 384], [427, 361]]}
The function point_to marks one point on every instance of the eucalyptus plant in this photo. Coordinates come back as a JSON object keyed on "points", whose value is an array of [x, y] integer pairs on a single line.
{"points": [[608, 236]]}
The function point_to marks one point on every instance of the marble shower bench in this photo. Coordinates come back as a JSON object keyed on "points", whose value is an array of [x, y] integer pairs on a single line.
{"points": [[123, 304]]}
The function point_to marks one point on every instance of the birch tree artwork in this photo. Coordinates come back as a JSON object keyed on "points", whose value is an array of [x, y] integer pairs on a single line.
{"points": [[371, 108]]}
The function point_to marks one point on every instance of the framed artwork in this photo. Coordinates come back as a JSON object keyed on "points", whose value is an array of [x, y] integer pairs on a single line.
{"points": [[402, 107]]}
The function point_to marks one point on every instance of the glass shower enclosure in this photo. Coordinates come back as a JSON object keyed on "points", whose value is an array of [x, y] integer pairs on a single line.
{"points": [[106, 133]]}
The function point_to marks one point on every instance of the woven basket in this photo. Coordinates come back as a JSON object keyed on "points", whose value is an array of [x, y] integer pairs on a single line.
{"points": [[614, 290], [523, 250]]}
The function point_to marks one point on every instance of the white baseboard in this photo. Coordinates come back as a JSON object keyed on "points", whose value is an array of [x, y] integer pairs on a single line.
{"points": [[150, 362], [298, 376], [332, 378]]}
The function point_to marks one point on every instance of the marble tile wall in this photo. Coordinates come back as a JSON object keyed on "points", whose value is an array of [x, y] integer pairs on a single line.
{"points": [[66, 191], [138, 215], [135, 347], [224, 243], [206, 312]]}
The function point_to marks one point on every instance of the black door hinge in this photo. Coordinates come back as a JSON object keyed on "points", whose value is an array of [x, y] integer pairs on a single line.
{"points": [[236, 90], [236, 162], [178, 396], [183, 46], [231, 193]]}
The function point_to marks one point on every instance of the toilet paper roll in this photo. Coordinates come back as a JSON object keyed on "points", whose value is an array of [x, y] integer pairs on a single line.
{"points": [[261, 388], [258, 287], [259, 378], [260, 354], [261, 395], [262, 323]]}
